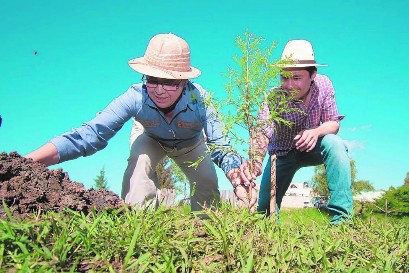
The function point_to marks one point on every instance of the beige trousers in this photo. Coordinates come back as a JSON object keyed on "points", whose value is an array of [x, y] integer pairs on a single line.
{"points": [[140, 185]]}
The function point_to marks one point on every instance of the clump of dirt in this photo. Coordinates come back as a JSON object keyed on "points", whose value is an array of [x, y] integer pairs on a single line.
{"points": [[27, 187]]}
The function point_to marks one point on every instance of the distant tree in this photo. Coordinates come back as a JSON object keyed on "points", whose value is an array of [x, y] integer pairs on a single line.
{"points": [[319, 181], [182, 183], [362, 186], [406, 181], [320, 185], [170, 176], [353, 170], [394, 202], [100, 180], [165, 174]]}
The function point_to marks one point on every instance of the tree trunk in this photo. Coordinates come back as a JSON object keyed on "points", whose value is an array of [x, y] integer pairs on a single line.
{"points": [[273, 184]]}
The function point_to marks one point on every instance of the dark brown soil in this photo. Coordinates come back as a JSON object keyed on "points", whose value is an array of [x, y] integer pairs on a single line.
{"points": [[27, 187]]}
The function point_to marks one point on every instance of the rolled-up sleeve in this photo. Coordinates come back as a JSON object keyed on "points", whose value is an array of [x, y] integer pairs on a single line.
{"points": [[94, 135], [329, 109]]}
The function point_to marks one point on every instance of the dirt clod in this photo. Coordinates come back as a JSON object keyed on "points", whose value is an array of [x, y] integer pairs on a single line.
{"points": [[27, 187]]}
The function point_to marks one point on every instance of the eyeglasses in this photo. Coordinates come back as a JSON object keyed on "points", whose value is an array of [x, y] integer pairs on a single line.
{"points": [[168, 85]]}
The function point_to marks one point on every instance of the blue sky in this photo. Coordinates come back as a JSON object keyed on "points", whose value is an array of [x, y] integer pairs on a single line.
{"points": [[84, 46]]}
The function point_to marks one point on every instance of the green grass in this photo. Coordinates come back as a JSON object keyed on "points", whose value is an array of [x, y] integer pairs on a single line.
{"points": [[174, 240]]}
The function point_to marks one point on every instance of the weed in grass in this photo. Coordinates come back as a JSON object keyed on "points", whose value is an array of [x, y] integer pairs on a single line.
{"points": [[173, 240]]}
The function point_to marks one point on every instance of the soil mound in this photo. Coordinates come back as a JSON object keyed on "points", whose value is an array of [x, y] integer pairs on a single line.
{"points": [[27, 187]]}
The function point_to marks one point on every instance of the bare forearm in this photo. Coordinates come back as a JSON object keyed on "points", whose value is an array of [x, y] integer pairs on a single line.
{"points": [[329, 127], [46, 154]]}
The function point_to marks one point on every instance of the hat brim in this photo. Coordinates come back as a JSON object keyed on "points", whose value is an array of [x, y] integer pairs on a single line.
{"points": [[300, 65], [141, 66]]}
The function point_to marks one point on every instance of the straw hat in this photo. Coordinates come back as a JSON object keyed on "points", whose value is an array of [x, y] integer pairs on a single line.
{"points": [[167, 56], [301, 53]]}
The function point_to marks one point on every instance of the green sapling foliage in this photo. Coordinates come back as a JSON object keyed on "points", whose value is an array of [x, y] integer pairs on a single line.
{"points": [[249, 87]]}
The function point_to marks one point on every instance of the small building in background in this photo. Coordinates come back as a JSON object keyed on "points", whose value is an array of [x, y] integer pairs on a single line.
{"points": [[298, 195]]}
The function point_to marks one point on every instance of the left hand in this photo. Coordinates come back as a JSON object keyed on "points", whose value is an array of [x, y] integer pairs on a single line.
{"points": [[306, 140], [248, 195]]}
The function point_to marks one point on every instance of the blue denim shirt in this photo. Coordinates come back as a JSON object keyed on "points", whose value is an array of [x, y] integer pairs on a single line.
{"points": [[185, 129]]}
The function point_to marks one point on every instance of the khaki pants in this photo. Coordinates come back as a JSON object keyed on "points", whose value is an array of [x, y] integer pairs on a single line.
{"points": [[140, 186]]}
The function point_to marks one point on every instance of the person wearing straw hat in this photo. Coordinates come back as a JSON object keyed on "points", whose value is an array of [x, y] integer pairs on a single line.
{"points": [[173, 113], [312, 139]]}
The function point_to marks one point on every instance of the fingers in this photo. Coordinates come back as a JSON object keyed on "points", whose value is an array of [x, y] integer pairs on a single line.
{"points": [[241, 175], [253, 201], [300, 144], [247, 174], [300, 141], [241, 193], [244, 179], [308, 144], [311, 145], [248, 195], [306, 141], [234, 176], [297, 137]]}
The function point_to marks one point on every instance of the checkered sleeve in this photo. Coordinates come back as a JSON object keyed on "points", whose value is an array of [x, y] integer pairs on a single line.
{"points": [[329, 109]]}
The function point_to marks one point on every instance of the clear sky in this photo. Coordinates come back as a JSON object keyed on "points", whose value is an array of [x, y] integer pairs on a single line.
{"points": [[83, 48]]}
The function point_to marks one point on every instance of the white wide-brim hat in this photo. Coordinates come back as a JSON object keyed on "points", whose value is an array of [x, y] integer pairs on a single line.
{"points": [[299, 53], [167, 56]]}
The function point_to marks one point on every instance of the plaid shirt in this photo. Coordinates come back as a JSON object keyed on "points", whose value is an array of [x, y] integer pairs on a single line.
{"points": [[322, 108]]}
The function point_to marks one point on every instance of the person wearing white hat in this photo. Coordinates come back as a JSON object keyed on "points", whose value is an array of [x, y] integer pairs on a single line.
{"points": [[173, 113], [311, 139]]}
